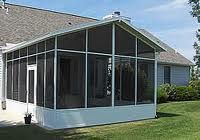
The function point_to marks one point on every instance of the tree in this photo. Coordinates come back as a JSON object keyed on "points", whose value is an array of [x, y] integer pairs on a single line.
{"points": [[195, 4]]}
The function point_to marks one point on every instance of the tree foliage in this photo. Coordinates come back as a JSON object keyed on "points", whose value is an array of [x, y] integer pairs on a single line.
{"points": [[195, 4], [195, 12]]}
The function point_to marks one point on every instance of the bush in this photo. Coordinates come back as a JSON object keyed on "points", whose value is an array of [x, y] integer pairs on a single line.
{"points": [[168, 92], [164, 91], [162, 96], [195, 85], [186, 93]]}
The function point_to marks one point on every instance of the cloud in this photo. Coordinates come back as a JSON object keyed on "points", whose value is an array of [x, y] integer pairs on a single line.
{"points": [[173, 4]]}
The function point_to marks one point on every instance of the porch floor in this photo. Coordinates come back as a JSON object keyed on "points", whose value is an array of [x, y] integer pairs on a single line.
{"points": [[10, 118]]}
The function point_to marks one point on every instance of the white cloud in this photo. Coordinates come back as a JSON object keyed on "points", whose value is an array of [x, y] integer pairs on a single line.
{"points": [[173, 4]]}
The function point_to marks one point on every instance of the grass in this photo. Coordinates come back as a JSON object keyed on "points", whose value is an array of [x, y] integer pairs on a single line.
{"points": [[177, 121]]}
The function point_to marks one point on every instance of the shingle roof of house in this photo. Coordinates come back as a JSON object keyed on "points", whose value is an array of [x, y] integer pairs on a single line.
{"points": [[25, 23], [170, 56]]}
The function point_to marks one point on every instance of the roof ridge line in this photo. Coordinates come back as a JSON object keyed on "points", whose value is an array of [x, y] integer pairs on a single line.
{"points": [[48, 10]]}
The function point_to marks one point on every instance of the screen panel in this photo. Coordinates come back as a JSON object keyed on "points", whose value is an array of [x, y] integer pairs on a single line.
{"points": [[70, 80], [99, 81]]}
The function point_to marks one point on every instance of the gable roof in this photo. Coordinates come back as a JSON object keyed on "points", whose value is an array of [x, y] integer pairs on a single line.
{"points": [[170, 56], [24, 24]]}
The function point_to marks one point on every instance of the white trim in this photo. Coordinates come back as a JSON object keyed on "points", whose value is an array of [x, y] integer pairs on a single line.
{"points": [[145, 58], [123, 56], [72, 51], [99, 54], [55, 71], [113, 65], [86, 68]]}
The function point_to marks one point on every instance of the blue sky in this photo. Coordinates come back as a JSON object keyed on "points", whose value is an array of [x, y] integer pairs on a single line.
{"points": [[167, 19]]}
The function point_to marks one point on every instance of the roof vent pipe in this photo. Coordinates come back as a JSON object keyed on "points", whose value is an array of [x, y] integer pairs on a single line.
{"points": [[117, 14], [3, 4]]}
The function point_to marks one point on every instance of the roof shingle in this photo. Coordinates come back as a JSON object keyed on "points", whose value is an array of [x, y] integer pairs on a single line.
{"points": [[24, 23]]}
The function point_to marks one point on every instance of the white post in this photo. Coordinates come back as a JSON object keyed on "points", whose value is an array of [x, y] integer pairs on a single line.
{"points": [[155, 84], [113, 64], [3, 95], [86, 67], [45, 61], [55, 72], [136, 67], [5, 82]]}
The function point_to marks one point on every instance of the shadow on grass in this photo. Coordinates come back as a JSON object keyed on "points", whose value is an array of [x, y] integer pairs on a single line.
{"points": [[33, 132], [163, 115]]}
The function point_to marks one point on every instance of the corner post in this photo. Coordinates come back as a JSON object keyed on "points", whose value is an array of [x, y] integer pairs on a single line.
{"points": [[155, 84], [86, 67], [55, 71], [113, 63]]}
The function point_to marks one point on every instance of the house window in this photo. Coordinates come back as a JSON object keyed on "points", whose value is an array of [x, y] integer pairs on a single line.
{"points": [[167, 73]]}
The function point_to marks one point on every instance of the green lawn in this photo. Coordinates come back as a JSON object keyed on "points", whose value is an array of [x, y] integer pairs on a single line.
{"points": [[178, 121]]}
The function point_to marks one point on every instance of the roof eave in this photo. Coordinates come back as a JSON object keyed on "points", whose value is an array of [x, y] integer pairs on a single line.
{"points": [[178, 64]]}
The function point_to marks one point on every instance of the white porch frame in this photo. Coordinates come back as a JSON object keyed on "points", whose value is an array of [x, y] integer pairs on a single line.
{"points": [[97, 110]]}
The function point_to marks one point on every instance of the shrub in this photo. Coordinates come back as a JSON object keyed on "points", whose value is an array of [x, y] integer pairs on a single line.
{"points": [[162, 96], [186, 93], [168, 92], [195, 85], [168, 89]]}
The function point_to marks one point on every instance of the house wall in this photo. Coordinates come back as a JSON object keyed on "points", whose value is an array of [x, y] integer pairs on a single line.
{"points": [[180, 75]]}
